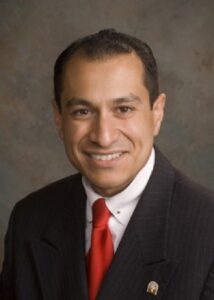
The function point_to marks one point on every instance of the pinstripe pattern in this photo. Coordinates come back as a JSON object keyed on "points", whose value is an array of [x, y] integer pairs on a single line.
{"points": [[169, 239]]}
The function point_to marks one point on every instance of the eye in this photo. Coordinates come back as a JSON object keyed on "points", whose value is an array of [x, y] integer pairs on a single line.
{"points": [[81, 113], [125, 109]]}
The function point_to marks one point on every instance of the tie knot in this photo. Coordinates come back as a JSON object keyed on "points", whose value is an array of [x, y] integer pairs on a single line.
{"points": [[101, 214]]}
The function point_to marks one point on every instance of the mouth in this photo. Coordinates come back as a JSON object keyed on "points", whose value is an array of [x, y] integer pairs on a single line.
{"points": [[106, 157]]}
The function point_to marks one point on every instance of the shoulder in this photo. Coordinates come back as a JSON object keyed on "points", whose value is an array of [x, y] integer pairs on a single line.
{"points": [[188, 189], [192, 202], [52, 191], [42, 204], [189, 201], [184, 189]]}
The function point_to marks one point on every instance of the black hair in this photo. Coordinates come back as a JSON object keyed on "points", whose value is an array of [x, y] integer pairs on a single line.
{"points": [[104, 44]]}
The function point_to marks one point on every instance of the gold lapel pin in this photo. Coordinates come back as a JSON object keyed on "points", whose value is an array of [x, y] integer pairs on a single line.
{"points": [[152, 288]]}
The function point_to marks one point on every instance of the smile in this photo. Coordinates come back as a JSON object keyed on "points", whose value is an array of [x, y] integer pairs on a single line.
{"points": [[106, 156]]}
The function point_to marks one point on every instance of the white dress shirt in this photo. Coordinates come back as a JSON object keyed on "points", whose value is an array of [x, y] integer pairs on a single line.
{"points": [[121, 205]]}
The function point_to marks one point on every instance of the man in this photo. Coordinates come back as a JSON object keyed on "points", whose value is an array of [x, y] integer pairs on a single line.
{"points": [[129, 226]]}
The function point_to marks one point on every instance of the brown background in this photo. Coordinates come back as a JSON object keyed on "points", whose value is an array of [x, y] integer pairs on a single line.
{"points": [[32, 33]]}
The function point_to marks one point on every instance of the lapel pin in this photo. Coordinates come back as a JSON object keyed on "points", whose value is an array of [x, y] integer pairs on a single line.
{"points": [[152, 288]]}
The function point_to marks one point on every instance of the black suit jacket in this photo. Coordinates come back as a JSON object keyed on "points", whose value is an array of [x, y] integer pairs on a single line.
{"points": [[169, 239]]}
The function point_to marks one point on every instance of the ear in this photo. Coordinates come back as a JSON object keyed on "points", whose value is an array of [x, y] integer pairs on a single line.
{"points": [[57, 118], [158, 113]]}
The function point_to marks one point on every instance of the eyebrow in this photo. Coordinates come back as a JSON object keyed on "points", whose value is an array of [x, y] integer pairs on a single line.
{"points": [[75, 101], [127, 99]]}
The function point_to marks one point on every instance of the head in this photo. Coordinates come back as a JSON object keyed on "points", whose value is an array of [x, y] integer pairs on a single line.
{"points": [[107, 107]]}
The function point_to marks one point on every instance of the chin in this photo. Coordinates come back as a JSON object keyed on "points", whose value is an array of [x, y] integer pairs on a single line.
{"points": [[109, 187]]}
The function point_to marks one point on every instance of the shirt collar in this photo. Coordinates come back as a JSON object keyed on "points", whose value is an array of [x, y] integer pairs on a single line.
{"points": [[120, 203]]}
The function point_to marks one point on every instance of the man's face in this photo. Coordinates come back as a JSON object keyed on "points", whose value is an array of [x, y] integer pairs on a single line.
{"points": [[106, 122]]}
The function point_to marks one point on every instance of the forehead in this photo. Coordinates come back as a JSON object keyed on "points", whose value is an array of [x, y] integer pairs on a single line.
{"points": [[81, 64], [109, 77]]}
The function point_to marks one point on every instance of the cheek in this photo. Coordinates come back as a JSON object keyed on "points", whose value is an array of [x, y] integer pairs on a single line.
{"points": [[139, 130], [73, 134]]}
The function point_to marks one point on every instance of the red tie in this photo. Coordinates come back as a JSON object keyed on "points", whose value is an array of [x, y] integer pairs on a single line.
{"points": [[101, 252]]}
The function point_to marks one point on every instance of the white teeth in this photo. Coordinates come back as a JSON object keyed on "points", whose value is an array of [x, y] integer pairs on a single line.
{"points": [[106, 156]]}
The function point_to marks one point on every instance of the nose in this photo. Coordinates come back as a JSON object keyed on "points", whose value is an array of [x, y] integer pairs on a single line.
{"points": [[104, 131]]}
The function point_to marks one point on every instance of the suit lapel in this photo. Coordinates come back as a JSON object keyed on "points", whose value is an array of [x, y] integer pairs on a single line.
{"points": [[59, 256], [142, 254]]}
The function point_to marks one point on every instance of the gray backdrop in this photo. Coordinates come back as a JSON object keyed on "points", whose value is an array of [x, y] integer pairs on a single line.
{"points": [[32, 33]]}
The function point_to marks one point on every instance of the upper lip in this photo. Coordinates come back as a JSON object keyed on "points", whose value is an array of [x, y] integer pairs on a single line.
{"points": [[104, 153]]}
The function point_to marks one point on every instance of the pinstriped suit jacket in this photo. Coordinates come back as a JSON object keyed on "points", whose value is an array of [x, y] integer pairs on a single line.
{"points": [[169, 239]]}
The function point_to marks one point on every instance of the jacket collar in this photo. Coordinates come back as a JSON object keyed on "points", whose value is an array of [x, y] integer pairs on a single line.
{"points": [[151, 216], [60, 253]]}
